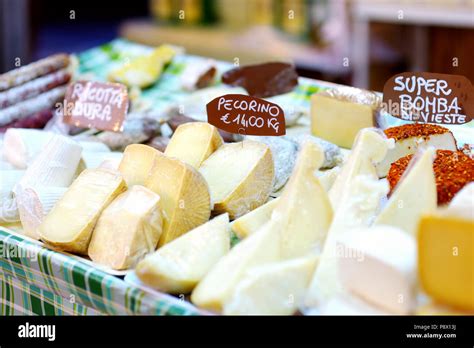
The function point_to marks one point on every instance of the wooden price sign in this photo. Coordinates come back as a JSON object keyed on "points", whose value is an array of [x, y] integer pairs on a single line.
{"points": [[98, 105], [246, 115], [429, 98]]}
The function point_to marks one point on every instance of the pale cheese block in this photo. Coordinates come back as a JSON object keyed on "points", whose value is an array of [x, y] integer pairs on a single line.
{"points": [[127, 230], [70, 223], [137, 163], [179, 265], [217, 287], [251, 222], [414, 195], [33, 206], [378, 264], [355, 197], [272, 289], [446, 258], [194, 142], [303, 212], [338, 115], [55, 165], [240, 177], [186, 201]]}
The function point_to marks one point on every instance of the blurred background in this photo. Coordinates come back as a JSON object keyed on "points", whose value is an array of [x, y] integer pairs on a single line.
{"points": [[355, 42]]}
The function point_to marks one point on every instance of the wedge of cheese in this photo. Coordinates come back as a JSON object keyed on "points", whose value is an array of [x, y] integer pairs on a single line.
{"points": [[219, 284], [414, 195], [379, 265], [70, 223], [272, 289], [251, 222], [303, 212], [194, 142], [355, 197], [409, 138], [462, 204], [337, 115], [186, 202], [55, 165], [445, 259], [128, 229], [137, 162], [179, 265], [369, 149], [33, 206], [240, 177]]}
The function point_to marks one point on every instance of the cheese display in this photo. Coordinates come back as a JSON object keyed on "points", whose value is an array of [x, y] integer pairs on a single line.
{"points": [[240, 177], [194, 142], [70, 223], [128, 229], [452, 170], [303, 213], [445, 258], [379, 265], [337, 115], [179, 265], [218, 285], [251, 222], [137, 163], [186, 201], [272, 289], [355, 198], [402, 209], [411, 137]]}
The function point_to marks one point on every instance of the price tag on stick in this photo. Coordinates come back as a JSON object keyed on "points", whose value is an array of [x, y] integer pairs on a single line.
{"points": [[242, 114]]}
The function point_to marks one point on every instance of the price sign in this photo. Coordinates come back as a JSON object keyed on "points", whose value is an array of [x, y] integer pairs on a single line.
{"points": [[242, 114], [98, 105], [429, 98]]}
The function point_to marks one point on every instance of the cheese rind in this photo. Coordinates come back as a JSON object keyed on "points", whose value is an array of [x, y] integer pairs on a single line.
{"points": [[240, 177], [184, 193], [127, 230], [251, 222], [70, 223], [379, 265], [272, 289], [404, 208], [137, 163], [179, 265], [445, 259], [194, 142], [217, 286]]}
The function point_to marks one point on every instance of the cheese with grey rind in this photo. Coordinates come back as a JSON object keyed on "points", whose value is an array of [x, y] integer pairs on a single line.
{"points": [[69, 225], [128, 229], [179, 265]]}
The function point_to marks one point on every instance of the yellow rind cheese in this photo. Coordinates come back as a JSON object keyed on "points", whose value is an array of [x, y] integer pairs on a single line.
{"points": [[128, 229], [70, 223], [137, 162], [184, 194], [446, 259], [194, 142]]}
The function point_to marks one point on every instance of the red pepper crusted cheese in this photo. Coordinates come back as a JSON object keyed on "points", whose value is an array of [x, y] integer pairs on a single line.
{"points": [[453, 170], [414, 130]]}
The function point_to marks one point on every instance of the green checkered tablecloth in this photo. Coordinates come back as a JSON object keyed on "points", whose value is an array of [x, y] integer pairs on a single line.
{"points": [[36, 280]]}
